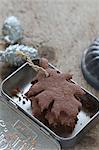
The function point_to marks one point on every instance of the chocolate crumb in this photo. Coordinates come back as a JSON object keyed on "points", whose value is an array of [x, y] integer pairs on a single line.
{"points": [[23, 102]]}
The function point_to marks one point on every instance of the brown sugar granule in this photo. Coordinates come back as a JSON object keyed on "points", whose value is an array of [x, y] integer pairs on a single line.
{"points": [[56, 96]]}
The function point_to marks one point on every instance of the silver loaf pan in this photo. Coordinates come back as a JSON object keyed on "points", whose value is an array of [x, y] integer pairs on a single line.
{"points": [[87, 117]]}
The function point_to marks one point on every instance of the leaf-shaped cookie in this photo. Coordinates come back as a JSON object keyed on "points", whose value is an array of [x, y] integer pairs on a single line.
{"points": [[56, 96]]}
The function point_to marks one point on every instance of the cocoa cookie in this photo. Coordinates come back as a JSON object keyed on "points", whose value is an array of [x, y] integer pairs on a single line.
{"points": [[56, 97]]}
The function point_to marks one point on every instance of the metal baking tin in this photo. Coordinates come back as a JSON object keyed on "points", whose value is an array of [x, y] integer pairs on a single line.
{"points": [[87, 117]]}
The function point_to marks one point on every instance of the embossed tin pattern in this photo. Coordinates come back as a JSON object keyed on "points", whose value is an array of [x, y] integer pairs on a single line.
{"points": [[18, 132]]}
